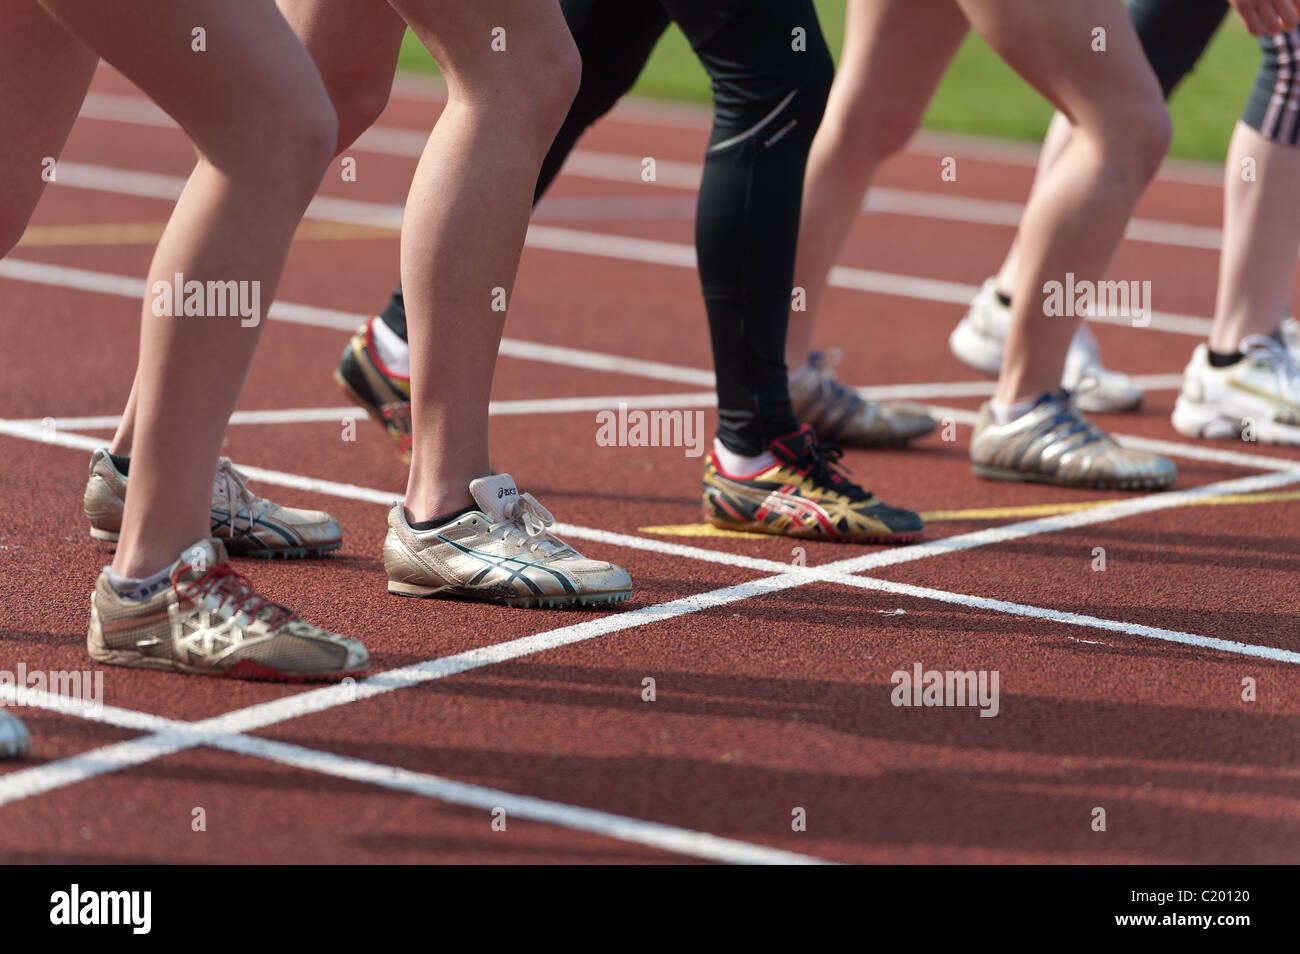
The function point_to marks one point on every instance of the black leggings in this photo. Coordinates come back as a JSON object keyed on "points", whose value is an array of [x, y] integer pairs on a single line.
{"points": [[769, 90]]}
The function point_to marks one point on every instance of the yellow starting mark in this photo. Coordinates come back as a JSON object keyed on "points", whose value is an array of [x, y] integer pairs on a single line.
{"points": [[996, 513], [148, 233]]}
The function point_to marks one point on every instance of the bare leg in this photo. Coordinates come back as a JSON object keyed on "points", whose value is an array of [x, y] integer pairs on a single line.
{"points": [[1261, 237], [894, 55], [262, 123], [44, 75], [1058, 134], [362, 48], [1077, 215], [466, 216]]}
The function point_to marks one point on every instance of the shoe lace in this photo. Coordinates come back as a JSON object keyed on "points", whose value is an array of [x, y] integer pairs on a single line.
{"points": [[528, 521], [1073, 420], [224, 584], [824, 469], [240, 497], [1267, 351], [828, 383]]}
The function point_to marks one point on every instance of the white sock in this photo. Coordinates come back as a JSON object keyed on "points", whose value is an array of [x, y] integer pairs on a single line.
{"points": [[138, 588], [391, 349], [1006, 413], [738, 465]]}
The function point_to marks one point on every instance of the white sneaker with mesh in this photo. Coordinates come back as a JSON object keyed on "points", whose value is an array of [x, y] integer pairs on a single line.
{"points": [[1291, 336], [501, 553], [1258, 398], [981, 335]]}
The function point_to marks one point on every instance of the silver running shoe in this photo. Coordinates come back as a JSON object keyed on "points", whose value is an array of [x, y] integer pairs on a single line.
{"points": [[208, 620], [500, 553], [1054, 443], [839, 415], [14, 740], [249, 525]]}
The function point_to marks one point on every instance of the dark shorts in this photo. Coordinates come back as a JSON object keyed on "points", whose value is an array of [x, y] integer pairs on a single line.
{"points": [[1273, 108]]}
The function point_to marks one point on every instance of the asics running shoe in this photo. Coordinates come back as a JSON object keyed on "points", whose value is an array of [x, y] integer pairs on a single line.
{"points": [[385, 396], [502, 552], [209, 621], [1053, 443], [1258, 397], [804, 494], [980, 337], [14, 740], [841, 416], [249, 525]]}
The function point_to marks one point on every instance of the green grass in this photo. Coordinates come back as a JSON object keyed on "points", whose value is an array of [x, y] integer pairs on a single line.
{"points": [[980, 95]]}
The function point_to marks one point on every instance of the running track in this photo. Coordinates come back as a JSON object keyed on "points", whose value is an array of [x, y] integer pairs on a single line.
{"points": [[1119, 689]]}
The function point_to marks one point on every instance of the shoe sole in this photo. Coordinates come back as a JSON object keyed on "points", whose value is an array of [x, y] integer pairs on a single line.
{"points": [[1209, 423], [1108, 407], [908, 536], [473, 595], [247, 670], [1132, 483], [234, 549]]}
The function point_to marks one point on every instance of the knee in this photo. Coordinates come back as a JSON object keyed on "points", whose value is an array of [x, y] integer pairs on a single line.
{"points": [[867, 128], [533, 95], [285, 152], [553, 88], [359, 104], [1136, 142]]}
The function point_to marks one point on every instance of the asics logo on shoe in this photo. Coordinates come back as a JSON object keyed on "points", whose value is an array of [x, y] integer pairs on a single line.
{"points": [[506, 492], [796, 508]]}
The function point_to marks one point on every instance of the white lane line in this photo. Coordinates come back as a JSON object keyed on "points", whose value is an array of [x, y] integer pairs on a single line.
{"points": [[81, 279], [1075, 619], [172, 736], [616, 167], [838, 571], [1117, 510], [681, 841], [577, 241], [279, 710], [316, 415]]}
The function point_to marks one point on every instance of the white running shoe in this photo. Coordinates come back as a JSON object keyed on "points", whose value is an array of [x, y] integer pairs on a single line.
{"points": [[14, 740], [979, 339], [1291, 336], [502, 552], [1256, 398]]}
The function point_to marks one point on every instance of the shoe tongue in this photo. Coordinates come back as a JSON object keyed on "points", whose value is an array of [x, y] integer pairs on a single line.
{"points": [[793, 447], [202, 555], [494, 495]]}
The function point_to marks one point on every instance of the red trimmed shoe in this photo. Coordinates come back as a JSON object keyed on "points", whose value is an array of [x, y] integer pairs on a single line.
{"points": [[386, 396], [805, 495]]}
